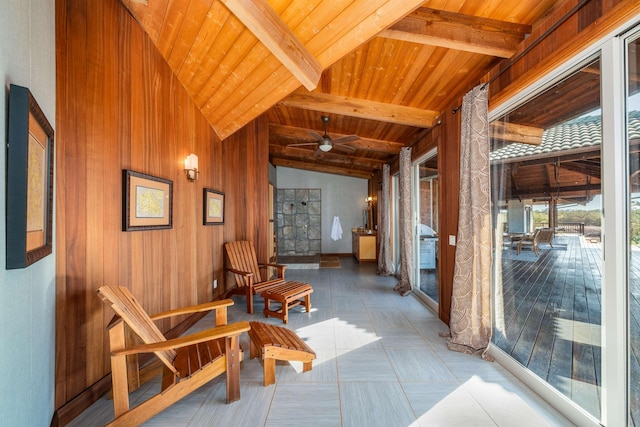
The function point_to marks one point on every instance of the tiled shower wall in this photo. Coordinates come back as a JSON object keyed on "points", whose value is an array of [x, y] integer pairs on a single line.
{"points": [[298, 225]]}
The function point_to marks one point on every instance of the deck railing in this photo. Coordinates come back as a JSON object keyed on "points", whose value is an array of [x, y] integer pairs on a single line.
{"points": [[564, 227]]}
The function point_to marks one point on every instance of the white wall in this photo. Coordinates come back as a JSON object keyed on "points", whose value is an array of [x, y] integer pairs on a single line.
{"points": [[341, 195], [27, 296], [516, 216]]}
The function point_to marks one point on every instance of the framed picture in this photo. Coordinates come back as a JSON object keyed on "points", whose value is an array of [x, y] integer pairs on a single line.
{"points": [[147, 202], [213, 207], [29, 181]]}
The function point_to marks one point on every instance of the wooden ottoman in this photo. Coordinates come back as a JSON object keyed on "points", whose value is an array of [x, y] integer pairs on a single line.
{"points": [[288, 294], [272, 343]]}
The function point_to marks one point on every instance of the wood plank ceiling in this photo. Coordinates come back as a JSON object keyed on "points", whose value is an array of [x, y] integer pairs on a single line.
{"points": [[379, 69]]}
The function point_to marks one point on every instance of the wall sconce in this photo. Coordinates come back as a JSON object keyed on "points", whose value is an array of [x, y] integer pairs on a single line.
{"points": [[369, 200], [191, 167]]}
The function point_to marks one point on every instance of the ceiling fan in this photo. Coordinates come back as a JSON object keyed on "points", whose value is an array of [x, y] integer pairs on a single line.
{"points": [[325, 143]]}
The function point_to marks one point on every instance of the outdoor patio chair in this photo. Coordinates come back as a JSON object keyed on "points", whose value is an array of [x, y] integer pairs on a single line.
{"points": [[243, 263], [543, 235], [188, 361]]}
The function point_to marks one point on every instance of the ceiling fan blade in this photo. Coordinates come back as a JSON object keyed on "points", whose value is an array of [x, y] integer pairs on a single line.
{"points": [[347, 138], [344, 147], [302, 144], [316, 136], [318, 152]]}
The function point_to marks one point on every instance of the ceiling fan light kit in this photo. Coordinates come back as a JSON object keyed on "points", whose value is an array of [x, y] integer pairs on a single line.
{"points": [[325, 144]]}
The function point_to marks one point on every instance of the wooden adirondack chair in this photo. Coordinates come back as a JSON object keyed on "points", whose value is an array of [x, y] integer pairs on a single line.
{"points": [[243, 263], [189, 362], [544, 235]]}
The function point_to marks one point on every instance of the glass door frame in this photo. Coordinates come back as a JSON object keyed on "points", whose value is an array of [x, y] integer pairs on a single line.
{"points": [[614, 355], [415, 223], [395, 225]]}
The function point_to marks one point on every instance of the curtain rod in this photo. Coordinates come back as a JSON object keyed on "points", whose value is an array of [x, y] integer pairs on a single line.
{"points": [[536, 42]]}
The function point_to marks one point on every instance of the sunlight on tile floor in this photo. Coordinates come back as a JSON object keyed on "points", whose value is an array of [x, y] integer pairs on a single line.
{"points": [[380, 362]]}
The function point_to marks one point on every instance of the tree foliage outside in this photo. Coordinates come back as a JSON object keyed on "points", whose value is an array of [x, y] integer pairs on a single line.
{"points": [[589, 218], [634, 222]]}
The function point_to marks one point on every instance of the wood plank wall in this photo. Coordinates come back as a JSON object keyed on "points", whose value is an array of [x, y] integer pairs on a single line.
{"points": [[119, 106]]}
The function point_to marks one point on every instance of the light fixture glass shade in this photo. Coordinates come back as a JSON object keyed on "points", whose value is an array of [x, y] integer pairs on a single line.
{"points": [[191, 167], [325, 146], [191, 162]]}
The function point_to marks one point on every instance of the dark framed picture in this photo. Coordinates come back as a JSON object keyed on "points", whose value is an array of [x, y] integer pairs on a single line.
{"points": [[213, 207], [29, 180], [147, 202]]}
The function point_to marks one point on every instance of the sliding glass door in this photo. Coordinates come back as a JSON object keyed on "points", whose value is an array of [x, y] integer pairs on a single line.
{"points": [[565, 161], [425, 196], [633, 294], [546, 174]]}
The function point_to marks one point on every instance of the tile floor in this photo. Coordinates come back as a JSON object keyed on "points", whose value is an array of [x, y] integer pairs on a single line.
{"points": [[380, 362]]}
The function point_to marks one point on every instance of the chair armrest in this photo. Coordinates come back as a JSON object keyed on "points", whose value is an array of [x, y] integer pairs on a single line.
{"points": [[213, 305], [272, 265], [281, 268], [240, 272], [195, 338]]}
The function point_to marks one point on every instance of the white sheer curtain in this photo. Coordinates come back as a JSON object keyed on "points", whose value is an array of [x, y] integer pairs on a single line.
{"points": [[470, 322], [385, 265], [405, 283]]}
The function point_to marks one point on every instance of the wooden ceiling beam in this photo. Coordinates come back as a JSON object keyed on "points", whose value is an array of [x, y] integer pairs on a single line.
{"points": [[584, 168], [567, 191], [457, 31], [297, 134], [321, 168], [260, 18], [511, 132], [362, 108]]}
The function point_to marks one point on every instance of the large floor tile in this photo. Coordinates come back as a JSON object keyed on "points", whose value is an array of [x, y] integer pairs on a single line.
{"points": [[419, 364], [364, 364], [509, 404], [374, 404], [300, 404], [445, 404]]}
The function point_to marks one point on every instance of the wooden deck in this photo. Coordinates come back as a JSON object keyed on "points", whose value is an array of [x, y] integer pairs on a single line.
{"points": [[552, 316], [551, 323]]}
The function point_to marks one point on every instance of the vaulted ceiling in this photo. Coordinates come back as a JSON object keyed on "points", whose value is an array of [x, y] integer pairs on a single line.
{"points": [[383, 70]]}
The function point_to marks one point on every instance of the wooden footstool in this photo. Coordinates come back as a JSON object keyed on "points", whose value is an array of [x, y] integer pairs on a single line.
{"points": [[289, 294], [272, 343]]}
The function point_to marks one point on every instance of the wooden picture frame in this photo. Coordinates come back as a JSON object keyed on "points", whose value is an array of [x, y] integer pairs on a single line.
{"points": [[213, 207], [30, 154], [147, 202]]}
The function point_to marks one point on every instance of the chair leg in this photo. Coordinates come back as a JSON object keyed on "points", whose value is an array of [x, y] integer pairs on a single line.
{"points": [[119, 378], [232, 355], [285, 312], [254, 350], [249, 301], [269, 371], [267, 306]]}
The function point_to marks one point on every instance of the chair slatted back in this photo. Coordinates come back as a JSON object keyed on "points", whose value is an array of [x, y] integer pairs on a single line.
{"points": [[125, 305], [242, 256], [545, 235]]}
